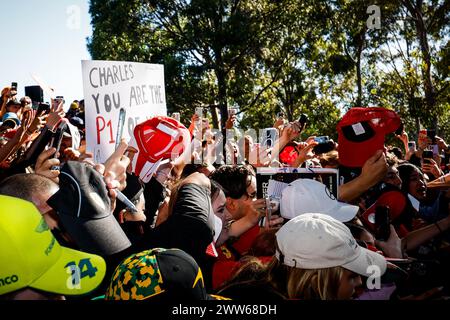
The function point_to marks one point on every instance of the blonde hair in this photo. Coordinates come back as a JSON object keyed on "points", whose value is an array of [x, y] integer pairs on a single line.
{"points": [[330, 159], [290, 282], [305, 284], [316, 284]]}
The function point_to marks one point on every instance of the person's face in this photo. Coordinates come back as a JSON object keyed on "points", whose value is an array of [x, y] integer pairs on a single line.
{"points": [[218, 205], [140, 205], [417, 187], [245, 202], [66, 142], [139, 215], [237, 208], [392, 177], [349, 282], [13, 108], [31, 294], [367, 237], [40, 201]]}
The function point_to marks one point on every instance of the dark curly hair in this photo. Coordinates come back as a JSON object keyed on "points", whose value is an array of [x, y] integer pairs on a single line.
{"points": [[234, 179]]}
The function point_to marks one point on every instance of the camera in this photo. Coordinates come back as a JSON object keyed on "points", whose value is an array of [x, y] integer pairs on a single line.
{"points": [[231, 112]]}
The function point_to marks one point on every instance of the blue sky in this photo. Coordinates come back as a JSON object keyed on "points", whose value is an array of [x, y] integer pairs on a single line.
{"points": [[46, 38]]}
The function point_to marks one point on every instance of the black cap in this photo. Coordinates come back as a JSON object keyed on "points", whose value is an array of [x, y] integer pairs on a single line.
{"points": [[84, 208], [158, 274]]}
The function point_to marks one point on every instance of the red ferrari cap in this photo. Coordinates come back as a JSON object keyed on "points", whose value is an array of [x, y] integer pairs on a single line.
{"points": [[157, 139], [361, 133]]}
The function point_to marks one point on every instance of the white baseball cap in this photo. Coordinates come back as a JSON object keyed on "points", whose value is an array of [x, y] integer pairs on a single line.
{"points": [[318, 241], [306, 195]]}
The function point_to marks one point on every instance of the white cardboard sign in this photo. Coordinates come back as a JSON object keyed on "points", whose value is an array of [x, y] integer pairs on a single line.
{"points": [[110, 86]]}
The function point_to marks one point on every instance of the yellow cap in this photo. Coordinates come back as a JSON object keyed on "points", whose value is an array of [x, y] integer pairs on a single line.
{"points": [[30, 256]]}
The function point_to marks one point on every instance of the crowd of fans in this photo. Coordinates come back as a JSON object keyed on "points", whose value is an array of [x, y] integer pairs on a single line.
{"points": [[196, 230]]}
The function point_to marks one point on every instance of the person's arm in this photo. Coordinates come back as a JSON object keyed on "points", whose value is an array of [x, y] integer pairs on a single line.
{"points": [[305, 153], [36, 124], [443, 146], [373, 171], [45, 163], [5, 100], [403, 137], [238, 227], [418, 237], [288, 134], [392, 248], [19, 138], [193, 123]]}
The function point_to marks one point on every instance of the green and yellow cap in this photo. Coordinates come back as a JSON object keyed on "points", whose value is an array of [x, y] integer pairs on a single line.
{"points": [[163, 274], [31, 257]]}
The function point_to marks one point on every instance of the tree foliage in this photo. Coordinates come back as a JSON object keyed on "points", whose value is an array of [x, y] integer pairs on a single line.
{"points": [[316, 57]]}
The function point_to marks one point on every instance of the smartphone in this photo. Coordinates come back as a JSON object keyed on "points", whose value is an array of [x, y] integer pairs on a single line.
{"points": [[199, 111], [43, 108], [231, 112], [325, 145], [412, 145], [322, 139], [14, 86], [57, 101], [303, 119], [272, 205], [399, 129], [427, 154], [176, 116], [431, 133], [280, 115], [57, 137], [435, 149], [382, 222]]}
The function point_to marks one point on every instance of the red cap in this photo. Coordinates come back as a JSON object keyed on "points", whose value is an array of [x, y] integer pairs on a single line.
{"points": [[157, 139], [395, 200], [361, 133], [288, 155]]}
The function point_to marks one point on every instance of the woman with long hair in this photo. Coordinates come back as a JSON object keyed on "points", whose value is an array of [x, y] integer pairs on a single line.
{"points": [[316, 258]]}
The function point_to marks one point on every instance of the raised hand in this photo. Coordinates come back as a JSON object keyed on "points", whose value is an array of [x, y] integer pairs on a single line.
{"points": [[45, 163]]}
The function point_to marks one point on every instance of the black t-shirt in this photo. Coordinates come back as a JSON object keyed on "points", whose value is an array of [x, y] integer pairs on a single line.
{"points": [[190, 227]]}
